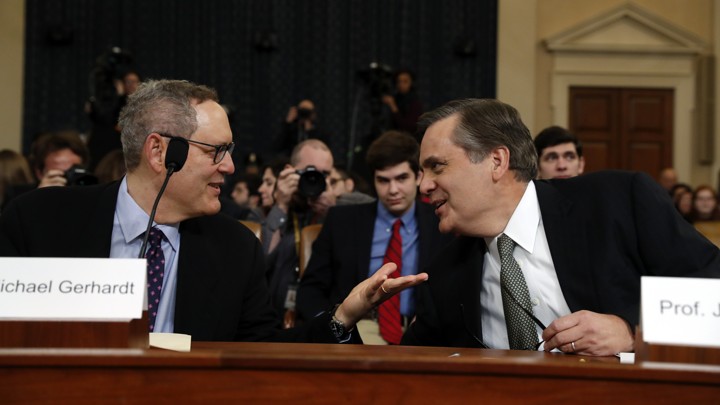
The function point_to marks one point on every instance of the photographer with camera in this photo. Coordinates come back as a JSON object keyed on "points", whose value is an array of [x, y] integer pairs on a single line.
{"points": [[300, 124], [56, 159], [302, 197], [59, 159], [405, 106]]}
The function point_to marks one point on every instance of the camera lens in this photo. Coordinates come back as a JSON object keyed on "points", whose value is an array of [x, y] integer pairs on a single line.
{"points": [[79, 176], [312, 182]]}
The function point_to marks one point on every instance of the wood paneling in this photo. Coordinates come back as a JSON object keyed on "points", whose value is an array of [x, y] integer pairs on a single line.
{"points": [[623, 128]]}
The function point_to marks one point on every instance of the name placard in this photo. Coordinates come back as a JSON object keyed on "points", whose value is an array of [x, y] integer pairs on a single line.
{"points": [[681, 311], [71, 289]]}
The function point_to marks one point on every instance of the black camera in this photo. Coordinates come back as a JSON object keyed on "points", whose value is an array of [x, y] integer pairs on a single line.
{"points": [[312, 182], [304, 113], [79, 176]]}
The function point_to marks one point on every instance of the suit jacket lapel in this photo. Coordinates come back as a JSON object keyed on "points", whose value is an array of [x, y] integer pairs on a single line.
{"points": [[566, 235], [196, 307], [426, 226], [470, 282]]}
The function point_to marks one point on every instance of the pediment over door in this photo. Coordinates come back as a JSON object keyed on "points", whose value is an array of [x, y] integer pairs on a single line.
{"points": [[625, 29]]}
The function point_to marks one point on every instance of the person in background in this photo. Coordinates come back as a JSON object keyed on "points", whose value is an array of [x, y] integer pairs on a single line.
{"points": [[111, 167], [54, 153], [300, 124], [355, 239], [668, 178], [14, 171], [296, 207], [245, 195], [559, 154], [405, 106], [684, 204], [270, 173], [704, 205], [104, 112], [343, 186]]}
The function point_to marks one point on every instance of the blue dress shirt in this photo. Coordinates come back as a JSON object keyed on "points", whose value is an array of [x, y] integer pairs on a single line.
{"points": [[410, 240], [127, 236]]}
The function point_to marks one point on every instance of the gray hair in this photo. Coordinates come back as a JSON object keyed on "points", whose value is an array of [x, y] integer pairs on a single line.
{"points": [[160, 106], [485, 124]]}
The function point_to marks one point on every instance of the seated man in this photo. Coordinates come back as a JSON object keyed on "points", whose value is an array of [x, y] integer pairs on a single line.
{"points": [[355, 239], [559, 154], [295, 207], [540, 264], [343, 186], [213, 284]]}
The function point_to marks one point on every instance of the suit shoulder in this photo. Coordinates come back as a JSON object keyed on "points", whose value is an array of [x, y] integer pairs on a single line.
{"points": [[56, 199], [339, 212]]}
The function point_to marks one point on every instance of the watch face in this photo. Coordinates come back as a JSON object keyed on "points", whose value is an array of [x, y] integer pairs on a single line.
{"points": [[337, 328]]}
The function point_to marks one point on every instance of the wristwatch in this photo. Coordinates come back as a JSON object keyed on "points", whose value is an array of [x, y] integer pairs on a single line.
{"points": [[337, 327]]}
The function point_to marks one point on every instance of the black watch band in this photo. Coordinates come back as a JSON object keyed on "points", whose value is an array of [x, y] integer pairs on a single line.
{"points": [[337, 327]]}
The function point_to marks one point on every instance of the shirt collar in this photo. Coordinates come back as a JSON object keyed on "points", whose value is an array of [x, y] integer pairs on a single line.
{"points": [[133, 220], [386, 216], [523, 224]]}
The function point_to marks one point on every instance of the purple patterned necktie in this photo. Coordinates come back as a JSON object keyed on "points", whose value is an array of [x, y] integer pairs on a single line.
{"points": [[156, 271]]}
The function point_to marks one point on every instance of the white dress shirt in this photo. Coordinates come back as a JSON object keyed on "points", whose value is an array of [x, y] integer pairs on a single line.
{"points": [[532, 254]]}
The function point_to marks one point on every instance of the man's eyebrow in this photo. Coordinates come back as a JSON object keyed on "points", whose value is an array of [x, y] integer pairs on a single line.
{"points": [[429, 161], [388, 178]]}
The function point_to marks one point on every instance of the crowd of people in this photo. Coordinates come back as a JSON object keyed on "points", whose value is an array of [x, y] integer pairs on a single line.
{"points": [[471, 200]]}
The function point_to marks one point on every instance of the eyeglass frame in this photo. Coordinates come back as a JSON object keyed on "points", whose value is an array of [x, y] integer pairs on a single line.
{"points": [[224, 148]]}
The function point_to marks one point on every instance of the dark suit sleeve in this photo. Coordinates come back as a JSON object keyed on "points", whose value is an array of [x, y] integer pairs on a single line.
{"points": [[10, 232], [683, 251], [424, 330], [669, 245], [313, 294]]}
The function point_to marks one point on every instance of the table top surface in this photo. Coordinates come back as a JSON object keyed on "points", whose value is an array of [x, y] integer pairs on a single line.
{"points": [[364, 358]]}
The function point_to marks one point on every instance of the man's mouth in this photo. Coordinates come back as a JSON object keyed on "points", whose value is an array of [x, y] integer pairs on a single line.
{"points": [[438, 203]]}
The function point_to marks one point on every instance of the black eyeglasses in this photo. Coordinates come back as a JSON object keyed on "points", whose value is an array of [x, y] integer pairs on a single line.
{"points": [[220, 150], [483, 345]]}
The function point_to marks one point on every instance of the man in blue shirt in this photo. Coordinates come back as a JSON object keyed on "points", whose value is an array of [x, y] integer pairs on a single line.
{"points": [[353, 242]]}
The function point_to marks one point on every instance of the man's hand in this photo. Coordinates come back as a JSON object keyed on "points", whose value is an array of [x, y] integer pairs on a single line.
{"points": [[291, 115], [589, 333], [372, 292], [390, 102], [53, 177], [286, 186]]}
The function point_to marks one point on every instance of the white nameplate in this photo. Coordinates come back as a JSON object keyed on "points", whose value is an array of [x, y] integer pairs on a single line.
{"points": [[71, 289], [681, 311]]}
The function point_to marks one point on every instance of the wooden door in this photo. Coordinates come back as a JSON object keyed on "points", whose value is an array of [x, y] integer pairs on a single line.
{"points": [[623, 128]]}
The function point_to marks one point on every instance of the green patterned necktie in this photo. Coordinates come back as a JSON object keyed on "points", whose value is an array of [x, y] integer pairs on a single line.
{"points": [[520, 326]]}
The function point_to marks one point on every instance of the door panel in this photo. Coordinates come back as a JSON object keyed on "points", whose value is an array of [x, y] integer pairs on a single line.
{"points": [[623, 128]]}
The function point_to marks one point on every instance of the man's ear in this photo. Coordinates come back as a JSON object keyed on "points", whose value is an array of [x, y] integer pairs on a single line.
{"points": [[500, 161], [349, 185], [581, 165], [154, 152]]}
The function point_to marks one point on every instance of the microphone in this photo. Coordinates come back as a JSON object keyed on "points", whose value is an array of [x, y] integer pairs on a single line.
{"points": [[175, 158]]}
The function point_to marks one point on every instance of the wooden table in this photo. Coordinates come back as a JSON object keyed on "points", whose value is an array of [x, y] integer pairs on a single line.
{"points": [[336, 374]]}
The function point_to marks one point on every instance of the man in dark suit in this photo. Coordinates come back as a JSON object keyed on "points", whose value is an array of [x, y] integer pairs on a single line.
{"points": [[213, 280], [354, 238], [580, 245]]}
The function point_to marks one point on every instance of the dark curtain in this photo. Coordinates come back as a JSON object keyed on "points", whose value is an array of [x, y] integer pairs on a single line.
{"points": [[261, 55]]}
